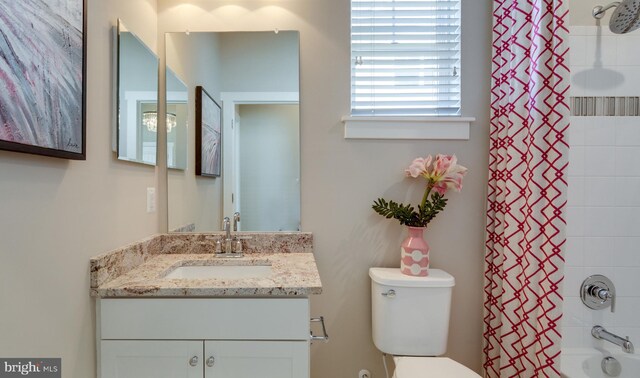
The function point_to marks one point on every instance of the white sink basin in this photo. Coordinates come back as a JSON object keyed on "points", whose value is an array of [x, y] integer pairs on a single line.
{"points": [[220, 272]]}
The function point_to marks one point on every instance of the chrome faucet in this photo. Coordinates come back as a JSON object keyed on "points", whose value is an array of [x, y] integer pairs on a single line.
{"points": [[226, 227], [602, 334], [231, 245]]}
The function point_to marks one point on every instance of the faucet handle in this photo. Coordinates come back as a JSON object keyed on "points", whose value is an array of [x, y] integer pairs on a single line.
{"points": [[607, 295], [598, 292], [236, 219], [604, 295], [613, 303]]}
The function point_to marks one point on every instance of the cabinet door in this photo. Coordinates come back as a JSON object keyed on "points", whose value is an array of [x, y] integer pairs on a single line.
{"points": [[250, 359], [151, 359]]}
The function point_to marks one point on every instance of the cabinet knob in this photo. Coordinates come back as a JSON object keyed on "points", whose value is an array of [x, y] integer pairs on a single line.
{"points": [[211, 361], [193, 361]]}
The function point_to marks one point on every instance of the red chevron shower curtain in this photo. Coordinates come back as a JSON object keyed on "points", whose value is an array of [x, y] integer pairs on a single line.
{"points": [[527, 189]]}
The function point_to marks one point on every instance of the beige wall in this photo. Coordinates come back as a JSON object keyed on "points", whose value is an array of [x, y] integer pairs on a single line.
{"points": [[260, 62], [55, 214], [580, 11], [341, 178]]}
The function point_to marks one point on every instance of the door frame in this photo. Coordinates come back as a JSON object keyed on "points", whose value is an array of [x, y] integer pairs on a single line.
{"points": [[230, 147]]}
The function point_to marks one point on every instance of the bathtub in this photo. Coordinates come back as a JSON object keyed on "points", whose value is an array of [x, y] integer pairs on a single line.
{"points": [[586, 363]]}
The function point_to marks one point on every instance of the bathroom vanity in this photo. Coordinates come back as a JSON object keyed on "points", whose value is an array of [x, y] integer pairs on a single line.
{"points": [[165, 309]]}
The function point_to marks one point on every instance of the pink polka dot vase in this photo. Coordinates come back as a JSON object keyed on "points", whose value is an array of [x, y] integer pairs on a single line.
{"points": [[414, 253]]}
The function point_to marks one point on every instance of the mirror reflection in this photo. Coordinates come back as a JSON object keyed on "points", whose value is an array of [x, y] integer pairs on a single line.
{"points": [[177, 124], [255, 78], [137, 99]]}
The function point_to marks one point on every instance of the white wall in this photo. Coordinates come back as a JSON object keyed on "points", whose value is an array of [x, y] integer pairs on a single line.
{"points": [[604, 183], [195, 58], [341, 178], [55, 214]]}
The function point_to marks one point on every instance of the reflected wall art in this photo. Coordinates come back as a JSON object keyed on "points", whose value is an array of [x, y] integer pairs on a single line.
{"points": [[208, 136], [42, 77]]}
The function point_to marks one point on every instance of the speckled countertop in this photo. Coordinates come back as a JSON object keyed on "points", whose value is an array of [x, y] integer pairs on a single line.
{"points": [[292, 274], [140, 269]]}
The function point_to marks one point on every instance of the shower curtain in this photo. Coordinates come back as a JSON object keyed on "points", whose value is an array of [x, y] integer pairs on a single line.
{"points": [[527, 189]]}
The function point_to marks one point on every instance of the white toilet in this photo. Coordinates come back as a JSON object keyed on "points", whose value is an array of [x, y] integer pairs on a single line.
{"points": [[411, 322]]}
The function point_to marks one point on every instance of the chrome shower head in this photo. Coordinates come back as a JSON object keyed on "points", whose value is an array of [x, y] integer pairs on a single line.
{"points": [[626, 17]]}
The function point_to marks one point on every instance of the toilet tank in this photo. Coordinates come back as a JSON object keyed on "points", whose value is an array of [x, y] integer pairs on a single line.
{"points": [[410, 315]]}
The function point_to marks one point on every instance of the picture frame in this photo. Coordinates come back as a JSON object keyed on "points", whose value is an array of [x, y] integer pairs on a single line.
{"points": [[43, 109], [208, 134]]}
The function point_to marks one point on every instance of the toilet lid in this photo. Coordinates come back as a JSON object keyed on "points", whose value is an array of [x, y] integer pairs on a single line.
{"points": [[427, 367]]}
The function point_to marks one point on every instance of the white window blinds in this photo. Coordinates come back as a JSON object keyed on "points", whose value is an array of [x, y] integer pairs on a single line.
{"points": [[405, 57]]}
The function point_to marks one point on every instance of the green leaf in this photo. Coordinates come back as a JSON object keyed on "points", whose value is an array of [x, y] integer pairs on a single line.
{"points": [[407, 215]]}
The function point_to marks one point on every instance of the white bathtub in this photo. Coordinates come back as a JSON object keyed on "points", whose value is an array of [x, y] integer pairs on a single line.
{"points": [[586, 363]]}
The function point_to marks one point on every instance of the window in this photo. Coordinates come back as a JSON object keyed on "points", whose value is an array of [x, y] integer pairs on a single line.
{"points": [[405, 57]]}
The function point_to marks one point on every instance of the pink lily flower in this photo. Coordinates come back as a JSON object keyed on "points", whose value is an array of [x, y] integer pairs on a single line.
{"points": [[419, 167], [448, 174], [442, 173]]}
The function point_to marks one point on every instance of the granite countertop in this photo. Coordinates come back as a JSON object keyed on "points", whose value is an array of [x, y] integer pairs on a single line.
{"points": [[292, 274]]}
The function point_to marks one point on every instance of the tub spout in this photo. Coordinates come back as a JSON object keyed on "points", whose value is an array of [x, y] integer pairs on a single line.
{"points": [[602, 334]]}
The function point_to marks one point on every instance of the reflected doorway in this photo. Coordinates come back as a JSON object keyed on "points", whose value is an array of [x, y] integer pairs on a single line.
{"points": [[268, 183]]}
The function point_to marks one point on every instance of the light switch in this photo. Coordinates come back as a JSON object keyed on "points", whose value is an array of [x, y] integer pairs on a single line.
{"points": [[151, 200]]}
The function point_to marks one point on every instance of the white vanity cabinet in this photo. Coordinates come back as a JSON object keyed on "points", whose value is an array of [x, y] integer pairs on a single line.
{"points": [[208, 337], [197, 359], [150, 358]]}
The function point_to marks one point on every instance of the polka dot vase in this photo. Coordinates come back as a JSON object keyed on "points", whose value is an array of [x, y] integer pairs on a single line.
{"points": [[414, 253]]}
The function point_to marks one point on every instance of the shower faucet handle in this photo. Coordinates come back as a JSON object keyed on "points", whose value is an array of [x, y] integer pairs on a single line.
{"points": [[613, 303], [597, 292], [603, 294]]}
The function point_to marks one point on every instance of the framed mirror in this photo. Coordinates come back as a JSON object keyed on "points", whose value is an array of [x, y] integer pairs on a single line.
{"points": [[137, 99], [254, 76]]}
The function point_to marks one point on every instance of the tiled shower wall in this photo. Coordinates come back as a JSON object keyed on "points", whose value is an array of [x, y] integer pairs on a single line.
{"points": [[604, 186]]}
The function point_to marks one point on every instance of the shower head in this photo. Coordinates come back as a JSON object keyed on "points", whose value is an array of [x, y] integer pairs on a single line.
{"points": [[625, 18]]}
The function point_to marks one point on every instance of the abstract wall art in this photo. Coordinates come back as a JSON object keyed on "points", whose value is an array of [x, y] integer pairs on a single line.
{"points": [[208, 136], [42, 77]]}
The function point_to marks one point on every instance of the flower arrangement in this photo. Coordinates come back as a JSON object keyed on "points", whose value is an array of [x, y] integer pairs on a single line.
{"points": [[442, 173]]}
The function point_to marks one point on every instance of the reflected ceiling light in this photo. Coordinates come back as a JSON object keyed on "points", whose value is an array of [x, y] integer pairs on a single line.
{"points": [[150, 121]]}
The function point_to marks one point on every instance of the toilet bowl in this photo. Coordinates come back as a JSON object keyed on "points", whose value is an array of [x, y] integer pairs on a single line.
{"points": [[430, 367], [410, 321]]}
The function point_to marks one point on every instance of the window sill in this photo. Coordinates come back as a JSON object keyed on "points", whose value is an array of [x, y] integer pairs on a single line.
{"points": [[359, 127]]}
